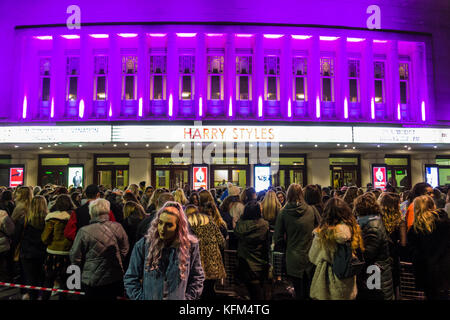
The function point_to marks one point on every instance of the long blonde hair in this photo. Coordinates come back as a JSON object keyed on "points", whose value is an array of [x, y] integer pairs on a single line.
{"points": [[270, 206], [180, 197], [424, 214], [208, 204], [38, 212], [131, 207], [390, 211]]}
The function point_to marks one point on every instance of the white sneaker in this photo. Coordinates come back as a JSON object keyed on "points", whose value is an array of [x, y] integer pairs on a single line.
{"points": [[26, 296]]}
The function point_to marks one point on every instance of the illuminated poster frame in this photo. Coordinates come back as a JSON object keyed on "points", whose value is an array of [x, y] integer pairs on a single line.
{"points": [[13, 171], [266, 173], [379, 176], [71, 170], [432, 174], [201, 172]]}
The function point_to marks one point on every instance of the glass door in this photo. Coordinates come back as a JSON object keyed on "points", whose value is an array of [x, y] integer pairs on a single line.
{"points": [[104, 177], [54, 175], [180, 177], [296, 176], [121, 179], [162, 179], [239, 178], [343, 176], [220, 177]]}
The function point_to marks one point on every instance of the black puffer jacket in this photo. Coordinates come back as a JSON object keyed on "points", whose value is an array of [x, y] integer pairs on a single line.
{"points": [[31, 246], [376, 244]]}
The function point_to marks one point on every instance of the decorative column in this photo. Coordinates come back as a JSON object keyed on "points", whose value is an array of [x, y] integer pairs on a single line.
{"points": [[172, 73], [142, 78], [286, 77], [58, 81], [341, 78], [418, 83], [200, 75], [85, 83], [22, 79], [115, 76], [230, 75], [259, 74], [367, 80], [314, 76], [392, 81]]}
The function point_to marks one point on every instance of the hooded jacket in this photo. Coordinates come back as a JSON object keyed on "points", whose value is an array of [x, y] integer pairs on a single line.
{"points": [[325, 284], [6, 231], [253, 243], [53, 235], [99, 249], [293, 234], [376, 244]]}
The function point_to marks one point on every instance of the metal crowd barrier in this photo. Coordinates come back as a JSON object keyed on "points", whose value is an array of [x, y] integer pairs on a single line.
{"points": [[408, 290]]}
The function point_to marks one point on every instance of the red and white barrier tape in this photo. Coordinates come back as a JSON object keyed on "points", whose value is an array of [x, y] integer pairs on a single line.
{"points": [[6, 284]]}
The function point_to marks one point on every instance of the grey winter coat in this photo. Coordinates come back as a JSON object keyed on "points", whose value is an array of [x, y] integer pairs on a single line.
{"points": [[6, 231], [99, 249]]}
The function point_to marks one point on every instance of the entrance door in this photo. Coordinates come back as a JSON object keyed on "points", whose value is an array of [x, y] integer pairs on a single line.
{"points": [[54, 175], [179, 178], [238, 175], [113, 178], [287, 175], [398, 176], [343, 176]]}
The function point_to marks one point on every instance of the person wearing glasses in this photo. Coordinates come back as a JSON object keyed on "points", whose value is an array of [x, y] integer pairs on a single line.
{"points": [[165, 264]]}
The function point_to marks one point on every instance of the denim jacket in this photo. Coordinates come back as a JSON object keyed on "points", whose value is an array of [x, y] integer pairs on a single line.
{"points": [[152, 285]]}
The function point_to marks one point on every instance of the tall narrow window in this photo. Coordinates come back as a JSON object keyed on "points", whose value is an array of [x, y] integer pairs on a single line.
{"points": [[379, 81], [129, 77], [272, 78], [158, 77], [215, 77], [100, 78], [72, 73], [44, 72], [243, 78], [299, 70], [327, 79], [187, 69], [353, 78], [404, 82]]}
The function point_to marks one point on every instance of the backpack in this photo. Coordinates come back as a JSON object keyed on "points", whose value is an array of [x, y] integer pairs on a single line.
{"points": [[345, 265]]}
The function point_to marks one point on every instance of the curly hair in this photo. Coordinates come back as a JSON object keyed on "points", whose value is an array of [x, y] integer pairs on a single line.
{"points": [[366, 205], [183, 238], [390, 211], [424, 214]]}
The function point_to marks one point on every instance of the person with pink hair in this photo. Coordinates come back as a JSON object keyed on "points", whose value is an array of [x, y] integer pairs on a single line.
{"points": [[165, 264]]}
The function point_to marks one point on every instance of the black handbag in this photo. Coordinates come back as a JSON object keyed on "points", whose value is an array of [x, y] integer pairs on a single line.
{"points": [[345, 264]]}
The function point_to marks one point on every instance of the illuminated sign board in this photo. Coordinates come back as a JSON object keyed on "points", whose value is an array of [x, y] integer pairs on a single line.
{"points": [[379, 176], [400, 135], [231, 134], [263, 178], [50, 134], [200, 177], [432, 175], [16, 176]]}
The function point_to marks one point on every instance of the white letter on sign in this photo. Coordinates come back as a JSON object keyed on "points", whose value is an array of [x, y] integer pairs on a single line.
{"points": [[374, 21]]}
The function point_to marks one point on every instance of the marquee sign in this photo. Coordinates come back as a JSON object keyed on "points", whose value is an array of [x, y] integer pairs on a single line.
{"points": [[400, 135]]}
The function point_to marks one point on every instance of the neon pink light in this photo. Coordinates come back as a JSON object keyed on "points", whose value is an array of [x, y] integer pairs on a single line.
{"points": [[240, 35], [110, 110], [214, 34], [289, 108], [24, 108], [81, 109], [273, 36], [186, 35], [70, 36], [200, 107], [380, 41], [44, 37], [355, 39], [99, 36], [372, 109], [159, 35], [423, 111], [345, 108], [52, 108], [328, 38], [230, 108], [170, 105], [140, 107], [317, 107], [300, 37], [260, 107], [399, 114], [127, 35]]}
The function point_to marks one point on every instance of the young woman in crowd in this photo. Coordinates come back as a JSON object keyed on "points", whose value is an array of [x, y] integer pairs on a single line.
{"points": [[270, 208], [58, 246], [376, 244], [180, 197], [296, 223], [194, 199], [6, 236], [153, 202], [133, 214], [6, 202], [396, 229], [407, 207], [247, 195], [429, 242], [281, 198], [350, 195], [166, 263], [32, 249], [338, 226], [313, 197], [252, 232], [211, 243], [205, 197], [22, 199]]}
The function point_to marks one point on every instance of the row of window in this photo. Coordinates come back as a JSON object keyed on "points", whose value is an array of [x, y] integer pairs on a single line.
{"points": [[215, 78]]}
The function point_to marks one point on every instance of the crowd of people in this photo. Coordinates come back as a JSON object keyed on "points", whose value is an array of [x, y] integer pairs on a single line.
{"points": [[144, 243]]}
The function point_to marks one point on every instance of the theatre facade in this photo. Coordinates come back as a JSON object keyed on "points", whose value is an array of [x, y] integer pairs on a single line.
{"points": [[125, 102]]}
